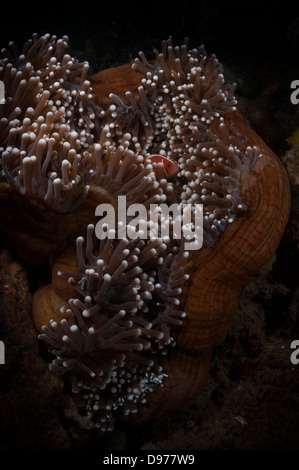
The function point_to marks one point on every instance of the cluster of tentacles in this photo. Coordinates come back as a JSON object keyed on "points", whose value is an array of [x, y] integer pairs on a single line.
{"points": [[56, 144], [178, 112]]}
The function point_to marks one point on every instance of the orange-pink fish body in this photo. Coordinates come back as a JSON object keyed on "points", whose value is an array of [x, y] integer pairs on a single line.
{"points": [[164, 167]]}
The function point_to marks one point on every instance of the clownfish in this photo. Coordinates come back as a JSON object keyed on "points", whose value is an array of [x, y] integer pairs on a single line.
{"points": [[163, 167]]}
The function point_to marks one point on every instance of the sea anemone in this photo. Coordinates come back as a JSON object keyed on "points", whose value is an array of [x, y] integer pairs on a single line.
{"points": [[180, 99], [134, 311], [123, 314], [47, 121]]}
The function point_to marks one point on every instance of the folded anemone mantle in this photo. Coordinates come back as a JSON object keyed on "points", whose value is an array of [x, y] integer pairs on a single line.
{"points": [[130, 324]]}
